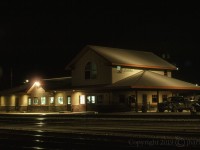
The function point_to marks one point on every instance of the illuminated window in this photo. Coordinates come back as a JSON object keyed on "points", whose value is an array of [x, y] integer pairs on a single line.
{"points": [[91, 99], [154, 99], [29, 101], [82, 99], [119, 69], [60, 100], [90, 71], [51, 100], [35, 101], [68, 100], [43, 100]]}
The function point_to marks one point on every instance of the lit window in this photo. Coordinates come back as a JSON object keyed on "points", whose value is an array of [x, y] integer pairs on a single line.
{"points": [[43, 100], [90, 71], [60, 100], [154, 99], [29, 101], [35, 101], [91, 99], [68, 100], [82, 99], [119, 68], [51, 100]]}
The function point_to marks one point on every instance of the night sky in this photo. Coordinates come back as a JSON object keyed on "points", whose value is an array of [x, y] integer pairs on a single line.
{"points": [[40, 38]]}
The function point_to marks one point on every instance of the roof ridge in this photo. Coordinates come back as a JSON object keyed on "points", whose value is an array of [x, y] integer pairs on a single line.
{"points": [[128, 49], [140, 72], [59, 78]]}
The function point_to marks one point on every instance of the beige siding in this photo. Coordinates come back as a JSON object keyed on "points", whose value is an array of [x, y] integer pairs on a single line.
{"points": [[23, 100], [8, 100], [37, 91], [4, 99], [124, 73], [60, 94], [75, 97], [12, 100], [103, 70]]}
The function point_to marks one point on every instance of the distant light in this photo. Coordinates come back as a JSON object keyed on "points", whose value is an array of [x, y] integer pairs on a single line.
{"points": [[197, 85], [27, 81], [176, 68]]}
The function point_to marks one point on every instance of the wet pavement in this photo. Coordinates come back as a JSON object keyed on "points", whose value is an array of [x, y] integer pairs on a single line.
{"points": [[90, 130]]}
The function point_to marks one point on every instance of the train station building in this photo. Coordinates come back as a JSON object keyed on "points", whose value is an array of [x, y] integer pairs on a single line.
{"points": [[103, 79]]}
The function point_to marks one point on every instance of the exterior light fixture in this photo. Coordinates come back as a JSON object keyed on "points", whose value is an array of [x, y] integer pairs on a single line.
{"points": [[37, 83], [197, 85], [176, 68]]}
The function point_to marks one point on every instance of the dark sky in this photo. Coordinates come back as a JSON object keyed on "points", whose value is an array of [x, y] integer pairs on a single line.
{"points": [[39, 38]]}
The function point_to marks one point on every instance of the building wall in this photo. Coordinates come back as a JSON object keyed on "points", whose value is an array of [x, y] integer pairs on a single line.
{"points": [[23, 100], [76, 106], [8, 100], [103, 70], [123, 98]]}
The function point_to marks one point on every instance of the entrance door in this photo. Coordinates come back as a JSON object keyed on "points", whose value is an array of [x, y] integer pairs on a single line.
{"points": [[144, 102]]}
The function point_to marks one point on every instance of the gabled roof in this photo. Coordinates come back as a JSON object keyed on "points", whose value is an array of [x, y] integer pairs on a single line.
{"points": [[152, 80], [48, 85], [125, 57]]}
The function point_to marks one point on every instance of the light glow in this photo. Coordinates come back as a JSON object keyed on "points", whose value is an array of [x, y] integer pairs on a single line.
{"points": [[37, 83]]}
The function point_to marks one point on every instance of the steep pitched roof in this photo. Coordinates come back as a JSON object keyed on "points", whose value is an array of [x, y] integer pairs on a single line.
{"points": [[152, 80], [125, 57]]}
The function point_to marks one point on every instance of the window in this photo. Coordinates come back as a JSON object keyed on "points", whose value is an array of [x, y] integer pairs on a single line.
{"points": [[90, 71], [29, 101], [154, 99], [164, 98], [60, 100], [100, 99], [51, 100], [82, 99], [119, 69], [35, 101], [132, 99], [68, 100], [43, 100], [91, 99]]}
